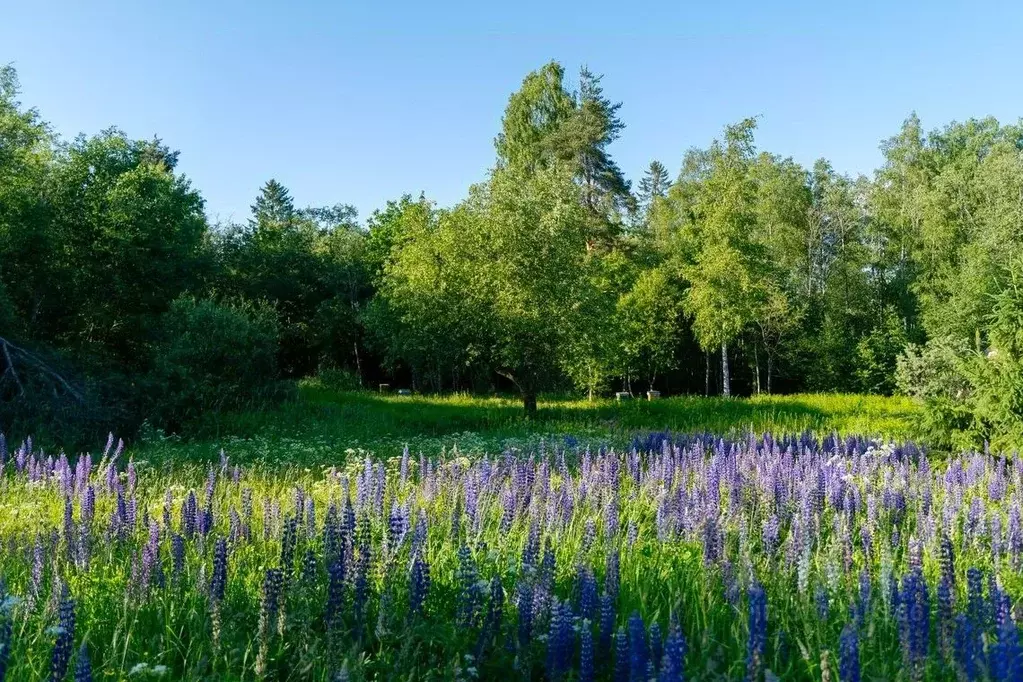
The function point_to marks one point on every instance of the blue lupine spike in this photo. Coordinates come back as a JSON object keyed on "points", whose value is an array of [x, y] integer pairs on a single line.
{"points": [[849, 655]]}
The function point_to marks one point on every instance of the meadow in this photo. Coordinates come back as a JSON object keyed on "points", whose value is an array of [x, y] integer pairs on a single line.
{"points": [[792, 538]]}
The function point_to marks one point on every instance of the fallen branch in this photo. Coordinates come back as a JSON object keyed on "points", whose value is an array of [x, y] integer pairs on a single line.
{"points": [[30, 358]]}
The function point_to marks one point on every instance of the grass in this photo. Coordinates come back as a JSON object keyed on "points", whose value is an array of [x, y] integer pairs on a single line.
{"points": [[322, 424]]}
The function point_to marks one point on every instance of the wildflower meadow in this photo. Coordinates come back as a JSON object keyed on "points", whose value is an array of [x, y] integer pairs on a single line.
{"points": [[683, 557]]}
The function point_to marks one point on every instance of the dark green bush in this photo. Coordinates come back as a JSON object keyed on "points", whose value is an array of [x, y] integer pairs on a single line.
{"points": [[213, 356]]}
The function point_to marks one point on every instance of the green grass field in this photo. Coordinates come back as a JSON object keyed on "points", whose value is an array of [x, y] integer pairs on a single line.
{"points": [[321, 424]]}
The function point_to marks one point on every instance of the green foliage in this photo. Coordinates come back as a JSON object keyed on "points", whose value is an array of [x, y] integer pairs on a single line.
{"points": [[213, 357], [877, 354]]}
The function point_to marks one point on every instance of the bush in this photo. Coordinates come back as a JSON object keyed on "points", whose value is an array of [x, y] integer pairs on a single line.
{"points": [[211, 357], [877, 354], [339, 379]]}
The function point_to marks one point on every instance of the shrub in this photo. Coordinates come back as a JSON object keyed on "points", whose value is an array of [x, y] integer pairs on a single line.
{"points": [[213, 356]]}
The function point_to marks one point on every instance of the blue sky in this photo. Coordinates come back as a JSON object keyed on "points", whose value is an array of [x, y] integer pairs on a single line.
{"points": [[361, 102]]}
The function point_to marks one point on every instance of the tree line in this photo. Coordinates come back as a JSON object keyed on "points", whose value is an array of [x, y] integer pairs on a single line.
{"points": [[744, 272]]}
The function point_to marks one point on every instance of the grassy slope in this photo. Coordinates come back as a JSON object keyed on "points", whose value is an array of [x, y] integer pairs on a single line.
{"points": [[322, 424]]}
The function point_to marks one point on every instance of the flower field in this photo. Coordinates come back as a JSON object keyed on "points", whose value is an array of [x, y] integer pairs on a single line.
{"points": [[685, 557]]}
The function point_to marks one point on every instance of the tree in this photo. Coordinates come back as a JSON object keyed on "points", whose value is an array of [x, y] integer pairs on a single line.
{"points": [[655, 184], [545, 125], [650, 314], [725, 269]]}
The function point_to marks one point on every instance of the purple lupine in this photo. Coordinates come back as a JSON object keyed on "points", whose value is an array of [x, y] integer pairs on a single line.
{"points": [[83, 667], [525, 611], [177, 556], [560, 641], [673, 662], [586, 663], [335, 595], [1006, 655], [6, 632], [966, 645], [637, 648], [310, 566], [612, 577], [419, 584], [589, 600], [757, 643], [218, 580], [621, 668], [188, 511], [288, 543], [468, 600], [656, 646], [62, 647], [849, 655]]}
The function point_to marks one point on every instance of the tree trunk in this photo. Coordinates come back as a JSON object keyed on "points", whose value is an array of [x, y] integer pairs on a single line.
{"points": [[770, 366], [706, 374], [756, 366], [358, 362], [726, 379], [529, 403]]}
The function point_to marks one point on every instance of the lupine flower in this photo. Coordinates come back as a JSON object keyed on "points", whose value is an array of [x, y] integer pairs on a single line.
{"points": [[419, 584], [335, 595], [757, 645], [849, 655], [83, 668], [560, 641], [967, 645], [673, 661], [525, 611], [469, 599], [586, 667], [218, 582], [637, 648], [65, 638], [621, 670]]}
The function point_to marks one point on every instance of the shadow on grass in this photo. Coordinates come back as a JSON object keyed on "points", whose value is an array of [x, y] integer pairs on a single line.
{"points": [[366, 416]]}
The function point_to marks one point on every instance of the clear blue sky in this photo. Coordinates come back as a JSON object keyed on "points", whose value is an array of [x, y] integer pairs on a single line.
{"points": [[361, 102]]}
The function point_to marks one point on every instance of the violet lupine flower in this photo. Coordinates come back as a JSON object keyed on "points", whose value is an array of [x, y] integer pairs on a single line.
{"points": [[770, 534], [914, 605], [673, 661], [152, 568], [273, 584], [612, 577], [656, 646], [524, 606], [5, 636], [621, 670], [469, 600], [966, 645], [419, 584], [335, 595], [88, 506], [288, 542], [588, 597], [822, 602], [606, 627], [310, 566], [65, 637], [757, 644], [177, 555], [560, 641], [586, 667], [976, 606], [1014, 541], [849, 655], [1006, 655], [83, 667], [218, 581], [637, 648], [945, 598], [188, 512], [494, 617]]}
